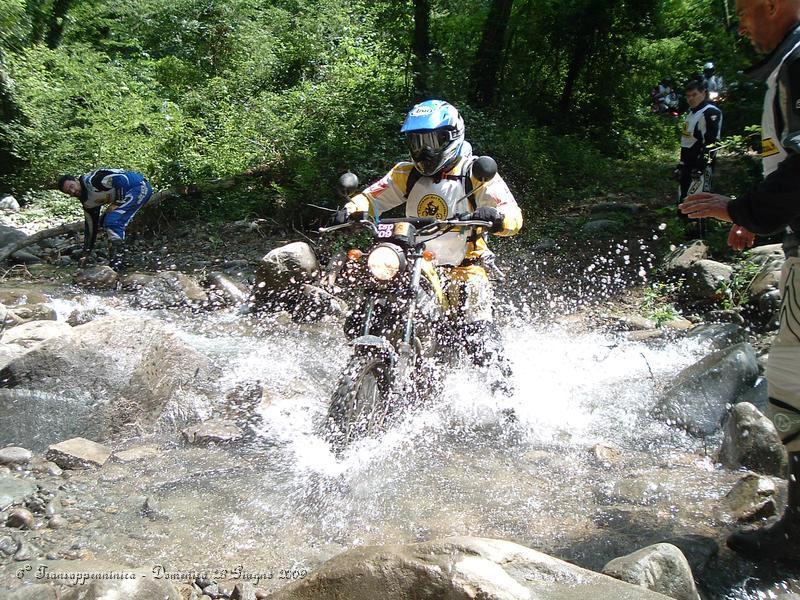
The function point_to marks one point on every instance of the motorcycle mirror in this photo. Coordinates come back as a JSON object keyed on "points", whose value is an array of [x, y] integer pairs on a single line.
{"points": [[348, 183], [484, 168]]}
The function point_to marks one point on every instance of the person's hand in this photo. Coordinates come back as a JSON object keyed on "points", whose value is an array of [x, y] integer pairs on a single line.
{"points": [[491, 214], [703, 204], [740, 238]]}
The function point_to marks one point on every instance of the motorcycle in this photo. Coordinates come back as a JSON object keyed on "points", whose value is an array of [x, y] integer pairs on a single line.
{"points": [[398, 321]]}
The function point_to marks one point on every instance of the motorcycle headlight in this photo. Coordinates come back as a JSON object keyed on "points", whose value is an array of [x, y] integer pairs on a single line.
{"points": [[385, 262]]}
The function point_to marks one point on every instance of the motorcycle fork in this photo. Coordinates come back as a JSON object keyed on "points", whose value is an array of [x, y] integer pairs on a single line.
{"points": [[406, 350]]}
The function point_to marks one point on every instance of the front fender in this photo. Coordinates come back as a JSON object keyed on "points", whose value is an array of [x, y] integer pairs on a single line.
{"points": [[374, 343]]}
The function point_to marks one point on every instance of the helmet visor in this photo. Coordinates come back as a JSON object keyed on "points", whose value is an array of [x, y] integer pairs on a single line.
{"points": [[428, 147]]}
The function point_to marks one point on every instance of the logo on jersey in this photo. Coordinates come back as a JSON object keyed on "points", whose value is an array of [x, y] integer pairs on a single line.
{"points": [[432, 206], [769, 148]]}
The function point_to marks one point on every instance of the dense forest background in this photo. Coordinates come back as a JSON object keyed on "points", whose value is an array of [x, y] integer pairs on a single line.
{"points": [[276, 98]]}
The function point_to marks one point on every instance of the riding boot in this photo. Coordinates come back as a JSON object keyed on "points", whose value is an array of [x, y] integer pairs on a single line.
{"points": [[781, 540], [116, 255], [485, 347]]}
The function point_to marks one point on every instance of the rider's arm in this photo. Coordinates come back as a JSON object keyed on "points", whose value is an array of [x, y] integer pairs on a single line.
{"points": [[497, 195], [773, 204], [384, 194], [91, 218]]}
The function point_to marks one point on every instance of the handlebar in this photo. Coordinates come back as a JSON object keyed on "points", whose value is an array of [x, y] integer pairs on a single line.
{"points": [[421, 223]]}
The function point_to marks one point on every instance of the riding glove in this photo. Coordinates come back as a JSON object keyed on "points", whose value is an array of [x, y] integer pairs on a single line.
{"points": [[491, 214]]}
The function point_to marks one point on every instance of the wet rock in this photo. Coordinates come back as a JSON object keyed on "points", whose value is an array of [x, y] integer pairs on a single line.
{"points": [[678, 324], [10, 235], [646, 336], [136, 454], [683, 257], [165, 290], [717, 335], [20, 518], [244, 591], [752, 441], [14, 491], [631, 323], [131, 589], [29, 335], [699, 397], [25, 313], [111, 372], [136, 281], [14, 455], [230, 291], [602, 227], [100, 278], [699, 550], [607, 455], [454, 568], [758, 395], [766, 281], [704, 278], [185, 286], [17, 296], [281, 273], [56, 522], [213, 432], [8, 545], [81, 317], [34, 592], [78, 453], [9, 204], [750, 499], [661, 568], [769, 305]]}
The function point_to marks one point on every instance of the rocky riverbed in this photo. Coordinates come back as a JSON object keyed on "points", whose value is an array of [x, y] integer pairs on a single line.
{"points": [[151, 426]]}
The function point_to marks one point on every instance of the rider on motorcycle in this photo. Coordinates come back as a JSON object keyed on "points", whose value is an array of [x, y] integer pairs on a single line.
{"points": [[437, 183]]}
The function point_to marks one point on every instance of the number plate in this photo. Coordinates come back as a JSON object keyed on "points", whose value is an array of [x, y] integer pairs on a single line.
{"points": [[385, 230]]}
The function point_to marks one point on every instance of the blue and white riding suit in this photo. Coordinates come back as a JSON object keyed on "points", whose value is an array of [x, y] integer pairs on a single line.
{"points": [[124, 192]]}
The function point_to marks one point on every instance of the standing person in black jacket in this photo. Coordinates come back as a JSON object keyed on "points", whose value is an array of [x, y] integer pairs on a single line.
{"points": [[773, 27], [700, 135]]}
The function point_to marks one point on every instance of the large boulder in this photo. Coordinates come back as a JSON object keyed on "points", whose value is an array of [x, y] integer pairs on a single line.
{"points": [[700, 395], [29, 334], [11, 296], [679, 260], [26, 313], [166, 289], [282, 271], [704, 278], [751, 498], [662, 568], [456, 568], [140, 588], [717, 335], [115, 371], [78, 453], [100, 278], [229, 291], [751, 441]]}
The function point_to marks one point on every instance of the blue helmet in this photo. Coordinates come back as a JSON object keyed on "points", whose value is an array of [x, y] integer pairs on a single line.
{"points": [[434, 135]]}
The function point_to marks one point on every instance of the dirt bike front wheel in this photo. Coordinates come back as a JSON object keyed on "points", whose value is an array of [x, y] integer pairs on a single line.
{"points": [[360, 404]]}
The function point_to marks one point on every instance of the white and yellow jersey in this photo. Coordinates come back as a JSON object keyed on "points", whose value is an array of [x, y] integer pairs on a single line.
{"points": [[441, 197]]}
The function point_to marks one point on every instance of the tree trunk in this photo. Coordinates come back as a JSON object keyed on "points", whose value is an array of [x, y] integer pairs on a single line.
{"points": [[421, 47], [579, 57], [489, 58], [57, 20]]}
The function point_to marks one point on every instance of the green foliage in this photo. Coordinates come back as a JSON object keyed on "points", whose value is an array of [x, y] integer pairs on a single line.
{"points": [[736, 292], [261, 105], [657, 304]]}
